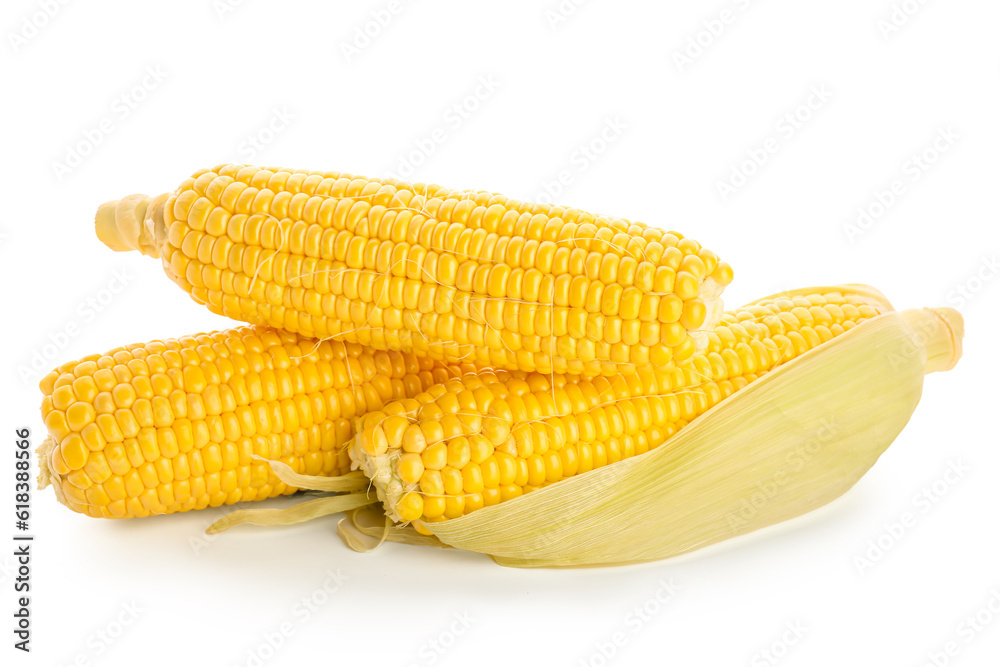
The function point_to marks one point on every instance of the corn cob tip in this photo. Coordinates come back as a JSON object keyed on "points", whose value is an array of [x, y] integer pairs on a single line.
{"points": [[44, 472], [134, 222], [939, 331], [46, 475]]}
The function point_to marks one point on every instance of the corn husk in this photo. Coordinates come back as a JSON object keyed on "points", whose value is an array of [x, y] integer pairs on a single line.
{"points": [[366, 528], [305, 511], [786, 444]]}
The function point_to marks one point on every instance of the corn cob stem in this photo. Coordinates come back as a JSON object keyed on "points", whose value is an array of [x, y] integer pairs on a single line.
{"points": [[938, 333], [133, 223]]}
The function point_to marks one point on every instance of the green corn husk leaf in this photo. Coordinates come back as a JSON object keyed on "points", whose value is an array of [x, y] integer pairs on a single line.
{"points": [[786, 444]]}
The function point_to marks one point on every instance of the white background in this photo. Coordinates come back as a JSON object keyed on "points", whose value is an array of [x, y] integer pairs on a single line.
{"points": [[675, 131]]}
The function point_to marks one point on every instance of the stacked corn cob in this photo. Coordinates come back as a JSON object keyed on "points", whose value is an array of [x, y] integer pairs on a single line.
{"points": [[489, 437], [459, 351], [456, 276], [174, 425]]}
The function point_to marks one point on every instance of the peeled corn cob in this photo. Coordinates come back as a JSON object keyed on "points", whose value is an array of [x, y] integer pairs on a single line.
{"points": [[782, 445], [174, 425], [453, 275], [489, 437]]}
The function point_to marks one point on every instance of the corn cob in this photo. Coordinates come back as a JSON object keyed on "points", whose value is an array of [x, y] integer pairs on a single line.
{"points": [[489, 437], [173, 425], [788, 442], [453, 275]]}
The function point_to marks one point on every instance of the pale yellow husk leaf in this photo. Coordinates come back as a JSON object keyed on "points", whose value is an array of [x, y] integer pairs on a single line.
{"points": [[366, 528], [786, 444], [297, 513], [352, 481]]}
